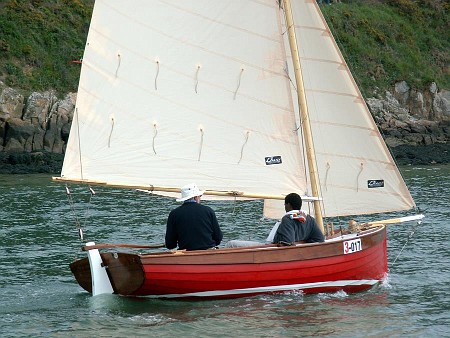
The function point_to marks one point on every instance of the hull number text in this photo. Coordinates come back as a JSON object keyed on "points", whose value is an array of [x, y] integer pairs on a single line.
{"points": [[352, 246]]}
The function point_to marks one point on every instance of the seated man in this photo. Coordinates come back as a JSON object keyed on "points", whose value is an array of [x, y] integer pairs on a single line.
{"points": [[296, 225], [192, 226]]}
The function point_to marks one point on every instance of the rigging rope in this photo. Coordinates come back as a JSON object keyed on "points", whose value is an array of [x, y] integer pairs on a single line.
{"points": [[196, 78], [157, 73], [328, 166], [154, 136], [79, 144], [407, 241], [72, 209], [86, 214], [77, 221], [201, 144], [239, 84], [242, 149], [357, 177], [110, 133], [118, 65]]}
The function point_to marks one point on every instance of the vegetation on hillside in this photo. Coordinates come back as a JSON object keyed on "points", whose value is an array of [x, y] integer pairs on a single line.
{"points": [[393, 40], [38, 41], [383, 41]]}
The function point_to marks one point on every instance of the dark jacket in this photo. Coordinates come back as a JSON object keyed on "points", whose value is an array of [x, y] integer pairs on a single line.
{"points": [[192, 226], [292, 230]]}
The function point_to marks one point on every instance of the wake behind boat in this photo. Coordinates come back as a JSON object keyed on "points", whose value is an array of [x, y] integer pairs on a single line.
{"points": [[251, 100]]}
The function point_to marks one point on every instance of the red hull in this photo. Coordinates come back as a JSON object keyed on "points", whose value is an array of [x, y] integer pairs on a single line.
{"points": [[230, 273]]}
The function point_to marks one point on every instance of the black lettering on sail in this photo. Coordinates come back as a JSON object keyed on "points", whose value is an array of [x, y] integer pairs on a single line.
{"points": [[375, 183], [273, 160]]}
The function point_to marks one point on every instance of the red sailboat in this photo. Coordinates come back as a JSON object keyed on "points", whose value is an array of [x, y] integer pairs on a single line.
{"points": [[339, 264], [232, 95]]}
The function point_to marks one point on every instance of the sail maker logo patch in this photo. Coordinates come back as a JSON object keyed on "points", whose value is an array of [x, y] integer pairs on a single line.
{"points": [[375, 183], [273, 160]]}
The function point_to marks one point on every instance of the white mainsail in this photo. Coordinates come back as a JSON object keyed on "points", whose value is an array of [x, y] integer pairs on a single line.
{"points": [[173, 92]]}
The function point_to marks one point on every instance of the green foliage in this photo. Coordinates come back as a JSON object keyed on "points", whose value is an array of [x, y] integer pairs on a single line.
{"points": [[388, 41], [39, 38], [383, 41]]}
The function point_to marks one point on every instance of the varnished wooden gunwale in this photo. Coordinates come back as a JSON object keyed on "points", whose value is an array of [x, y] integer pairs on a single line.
{"points": [[261, 254], [134, 274]]}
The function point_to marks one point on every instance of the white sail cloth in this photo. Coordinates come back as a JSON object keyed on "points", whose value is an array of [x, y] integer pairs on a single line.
{"points": [[190, 92], [173, 92], [356, 171]]}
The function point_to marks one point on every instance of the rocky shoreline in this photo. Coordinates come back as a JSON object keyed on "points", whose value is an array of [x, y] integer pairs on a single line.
{"points": [[45, 162], [34, 130], [30, 163]]}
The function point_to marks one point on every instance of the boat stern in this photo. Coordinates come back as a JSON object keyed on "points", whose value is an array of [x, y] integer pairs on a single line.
{"points": [[124, 270]]}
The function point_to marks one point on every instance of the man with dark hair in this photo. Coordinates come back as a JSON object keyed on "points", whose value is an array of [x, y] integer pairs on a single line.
{"points": [[296, 225], [192, 226]]}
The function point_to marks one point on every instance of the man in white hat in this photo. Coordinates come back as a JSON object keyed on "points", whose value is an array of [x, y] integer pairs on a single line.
{"points": [[192, 226]]}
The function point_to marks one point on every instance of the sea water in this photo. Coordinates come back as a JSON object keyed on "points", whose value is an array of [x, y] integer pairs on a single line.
{"points": [[39, 297]]}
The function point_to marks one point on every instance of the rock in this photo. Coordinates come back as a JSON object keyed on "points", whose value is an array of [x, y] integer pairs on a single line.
{"points": [[410, 117], [375, 106], [441, 106], [409, 154], [394, 141], [401, 92], [38, 108], [19, 136], [2, 133], [416, 104], [11, 103], [58, 126], [433, 88], [37, 128]]}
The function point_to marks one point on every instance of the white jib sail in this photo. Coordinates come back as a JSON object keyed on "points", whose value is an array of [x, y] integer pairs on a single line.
{"points": [[356, 170], [173, 92]]}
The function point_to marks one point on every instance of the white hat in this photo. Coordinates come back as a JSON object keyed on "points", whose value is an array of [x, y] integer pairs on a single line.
{"points": [[189, 191]]}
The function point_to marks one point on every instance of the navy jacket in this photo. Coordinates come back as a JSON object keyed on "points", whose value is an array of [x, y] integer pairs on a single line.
{"points": [[292, 230], [192, 226]]}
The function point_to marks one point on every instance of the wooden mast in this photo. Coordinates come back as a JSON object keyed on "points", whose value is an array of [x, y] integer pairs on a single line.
{"points": [[304, 116]]}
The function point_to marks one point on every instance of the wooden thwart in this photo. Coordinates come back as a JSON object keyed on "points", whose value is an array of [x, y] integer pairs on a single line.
{"points": [[133, 246]]}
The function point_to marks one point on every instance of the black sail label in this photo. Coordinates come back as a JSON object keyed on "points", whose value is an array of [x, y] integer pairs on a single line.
{"points": [[375, 183], [273, 160]]}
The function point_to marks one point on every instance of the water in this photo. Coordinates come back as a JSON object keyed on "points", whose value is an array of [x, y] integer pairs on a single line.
{"points": [[39, 297]]}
